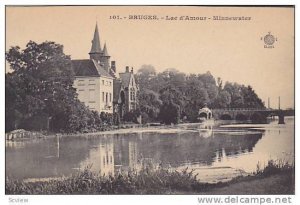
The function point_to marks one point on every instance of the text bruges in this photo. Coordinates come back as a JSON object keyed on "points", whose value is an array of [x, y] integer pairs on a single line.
{"points": [[143, 17]]}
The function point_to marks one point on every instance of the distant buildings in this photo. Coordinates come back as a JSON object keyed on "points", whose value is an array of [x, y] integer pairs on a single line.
{"points": [[97, 84]]}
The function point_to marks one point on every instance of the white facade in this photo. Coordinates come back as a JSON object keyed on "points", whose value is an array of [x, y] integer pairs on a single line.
{"points": [[132, 89], [95, 92]]}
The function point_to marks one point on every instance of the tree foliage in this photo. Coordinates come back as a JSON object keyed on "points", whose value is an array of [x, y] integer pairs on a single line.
{"points": [[190, 93], [40, 89]]}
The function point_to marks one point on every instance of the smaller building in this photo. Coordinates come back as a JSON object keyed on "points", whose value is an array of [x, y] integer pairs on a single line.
{"points": [[125, 92], [205, 112]]}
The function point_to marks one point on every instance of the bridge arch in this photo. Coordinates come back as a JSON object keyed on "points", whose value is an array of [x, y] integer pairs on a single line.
{"points": [[225, 116], [241, 117], [258, 117]]}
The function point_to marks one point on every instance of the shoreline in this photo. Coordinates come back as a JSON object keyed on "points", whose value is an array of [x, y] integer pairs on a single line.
{"points": [[137, 128], [272, 180], [126, 128]]}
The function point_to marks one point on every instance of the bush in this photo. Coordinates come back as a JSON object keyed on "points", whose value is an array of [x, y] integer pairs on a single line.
{"points": [[132, 116], [274, 167], [169, 113], [145, 118]]}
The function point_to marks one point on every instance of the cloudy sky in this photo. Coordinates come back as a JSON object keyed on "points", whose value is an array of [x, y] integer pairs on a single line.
{"points": [[231, 50]]}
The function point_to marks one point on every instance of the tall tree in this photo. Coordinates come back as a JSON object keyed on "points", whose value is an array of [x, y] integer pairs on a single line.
{"points": [[41, 81]]}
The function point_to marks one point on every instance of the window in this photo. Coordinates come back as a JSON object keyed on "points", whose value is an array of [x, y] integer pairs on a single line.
{"points": [[106, 98], [132, 106], [92, 82], [109, 97], [102, 82], [81, 83], [109, 83], [132, 94], [103, 96]]}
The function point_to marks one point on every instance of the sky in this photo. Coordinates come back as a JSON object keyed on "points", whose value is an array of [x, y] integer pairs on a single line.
{"points": [[231, 50]]}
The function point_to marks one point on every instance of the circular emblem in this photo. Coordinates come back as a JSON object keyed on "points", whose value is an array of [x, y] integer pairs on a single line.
{"points": [[269, 39]]}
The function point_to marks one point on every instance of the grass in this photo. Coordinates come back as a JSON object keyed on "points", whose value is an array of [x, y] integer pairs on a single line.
{"points": [[146, 181], [274, 167]]}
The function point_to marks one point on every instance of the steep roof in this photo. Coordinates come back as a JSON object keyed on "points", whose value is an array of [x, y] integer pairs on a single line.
{"points": [[96, 46], [105, 53], [101, 70], [88, 67], [125, 78]]}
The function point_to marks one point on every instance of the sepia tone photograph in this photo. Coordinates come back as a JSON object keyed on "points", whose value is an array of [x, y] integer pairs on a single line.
{"points": [[150, 100]]}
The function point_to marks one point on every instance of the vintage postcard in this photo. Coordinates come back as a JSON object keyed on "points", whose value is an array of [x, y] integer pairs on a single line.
{"points": [[150, 100]]}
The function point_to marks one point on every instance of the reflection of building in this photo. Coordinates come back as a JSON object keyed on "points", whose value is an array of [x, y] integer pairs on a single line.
{"points": [[106, 156], [132, 155], [101, 157], [126, 154], [97, 85]]}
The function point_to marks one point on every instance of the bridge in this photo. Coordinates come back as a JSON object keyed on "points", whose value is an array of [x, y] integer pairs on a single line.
{"points": [[254, 114]]}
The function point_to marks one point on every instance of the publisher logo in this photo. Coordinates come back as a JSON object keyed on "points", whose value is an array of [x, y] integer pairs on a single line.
{"points": [[269, 40]]}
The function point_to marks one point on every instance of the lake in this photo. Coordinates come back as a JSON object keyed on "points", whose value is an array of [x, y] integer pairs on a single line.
{"points": [[216, 152]]}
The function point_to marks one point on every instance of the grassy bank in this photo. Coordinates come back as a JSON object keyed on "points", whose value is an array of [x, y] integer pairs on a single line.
{"points": [[280, 177]]}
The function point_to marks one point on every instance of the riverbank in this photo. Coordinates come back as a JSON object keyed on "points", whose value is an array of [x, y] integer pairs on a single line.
{"points": [[125, 128], [22, 134], [274, 179]]}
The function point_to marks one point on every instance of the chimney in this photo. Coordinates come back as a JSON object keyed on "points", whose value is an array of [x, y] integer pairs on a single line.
{"points": [[113, 66], [131, 69], [127, 69]]}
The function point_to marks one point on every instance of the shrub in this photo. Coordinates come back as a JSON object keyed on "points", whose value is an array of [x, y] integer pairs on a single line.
{"points": [[169, 113]]}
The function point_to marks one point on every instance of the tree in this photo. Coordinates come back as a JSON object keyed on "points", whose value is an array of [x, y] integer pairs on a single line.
{"points": [[234, 89], [223, 100], [144, 76], [169, 113], [149, 103], [250, 98], [189, 93], [41, 85]]}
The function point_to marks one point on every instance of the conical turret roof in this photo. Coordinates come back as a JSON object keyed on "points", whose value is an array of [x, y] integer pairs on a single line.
{"points": [[96, 46], [105, 53]]}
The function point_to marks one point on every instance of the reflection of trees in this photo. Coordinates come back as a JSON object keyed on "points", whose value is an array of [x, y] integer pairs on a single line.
{"points": [[113, 153], [45, 158], [175, 149]]}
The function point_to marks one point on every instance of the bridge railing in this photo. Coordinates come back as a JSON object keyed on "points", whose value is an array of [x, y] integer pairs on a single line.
{"points": [[242, 109]]}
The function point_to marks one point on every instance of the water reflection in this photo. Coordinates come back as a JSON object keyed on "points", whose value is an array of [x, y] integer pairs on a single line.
{"points": [[195, 146]]}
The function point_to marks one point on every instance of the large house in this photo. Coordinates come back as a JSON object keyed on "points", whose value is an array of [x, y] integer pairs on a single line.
{"points": [[97, 84]]}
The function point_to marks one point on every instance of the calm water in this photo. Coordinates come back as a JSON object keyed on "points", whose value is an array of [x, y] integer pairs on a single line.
{"points": [[216, 152]]}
